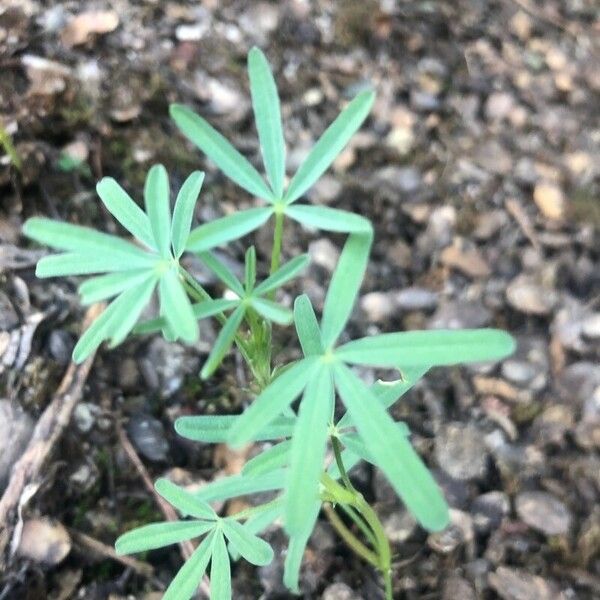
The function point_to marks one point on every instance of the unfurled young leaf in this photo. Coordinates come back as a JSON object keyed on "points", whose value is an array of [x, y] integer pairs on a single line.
{"points": [[156, 198], [307, 327], [241, 485], [276, 457], [284, 274], [220, 570]]}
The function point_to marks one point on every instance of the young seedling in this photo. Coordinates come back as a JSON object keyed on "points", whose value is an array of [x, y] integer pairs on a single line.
{"points": [[294, 468]]}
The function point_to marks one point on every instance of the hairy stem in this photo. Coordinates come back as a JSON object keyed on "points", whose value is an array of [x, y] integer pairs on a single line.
{"points": [[277, 242]]}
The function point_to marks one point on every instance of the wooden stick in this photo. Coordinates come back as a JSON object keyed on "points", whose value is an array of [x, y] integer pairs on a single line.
{"points": [[46, 434]]}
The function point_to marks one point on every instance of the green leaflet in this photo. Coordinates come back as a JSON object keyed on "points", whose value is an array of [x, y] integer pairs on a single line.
{"points": [[307, 327], [250, 269], [389, 392], [187, 504], [106, 286], [60, 265], [80, 240], [225, 229], [222, 272], [330, 144], [156, 198], [176, 307], [328, 219], [295, 552], [392, 452], [282, 275], [272, 311], [272, 458], [213, 429], [433, 347], [271, 402], [344, 286], [158, 535], [252, 548], [125, 210], [186, 582], [267, 113], [220, 151], [308, 451], [125, 317], [223, 341], [240, 485], [220, 570], [183, 213]]}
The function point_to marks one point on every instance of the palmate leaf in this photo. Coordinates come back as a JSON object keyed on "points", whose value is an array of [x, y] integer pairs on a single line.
{"points": [[183, 213], [267, 113], [126, 211], [433, 347], [331, 143], [220, 151], [308, 451], [392, 453], [158, 535], [344, 286], [186, 582], [271, 402], [249, 546]]}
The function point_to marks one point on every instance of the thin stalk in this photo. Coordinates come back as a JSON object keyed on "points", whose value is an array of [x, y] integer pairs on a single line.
{"points": [[277, 241], [351, 540], [337, 452], [360, 523]]}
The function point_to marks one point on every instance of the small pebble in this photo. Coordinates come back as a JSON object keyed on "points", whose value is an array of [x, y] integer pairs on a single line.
{"points": [[543, 512]]}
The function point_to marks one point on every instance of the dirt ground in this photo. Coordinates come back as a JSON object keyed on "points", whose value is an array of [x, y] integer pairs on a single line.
{"points": [[480, 170]]}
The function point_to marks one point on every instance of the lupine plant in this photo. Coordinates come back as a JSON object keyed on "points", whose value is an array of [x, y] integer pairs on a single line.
{"points": [[298, 408]]}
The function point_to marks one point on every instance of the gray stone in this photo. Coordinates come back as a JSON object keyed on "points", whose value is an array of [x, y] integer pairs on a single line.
{"points": [[378, 306], [516, 584], [591, 327], [340, 591], [61, 345], [8, 315], [415, 298], [543, 512], [469, 314], [84, 416], [489, 510], [461, 452], [399, 526], [148, 436]]}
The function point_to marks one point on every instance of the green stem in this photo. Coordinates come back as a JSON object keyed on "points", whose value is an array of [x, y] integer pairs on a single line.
{"points": [[351, 540], [277, 241], [360, 523], [337, 452], [7, 145]]}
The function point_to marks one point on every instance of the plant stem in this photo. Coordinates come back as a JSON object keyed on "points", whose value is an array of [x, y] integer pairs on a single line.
{"points": [[382, 546], [277, 241], [360, 523], [351, 540]]}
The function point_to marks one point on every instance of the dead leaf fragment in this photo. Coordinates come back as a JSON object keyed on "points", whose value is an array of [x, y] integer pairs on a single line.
{"points": [[80, 29], [44, 541], [550, 200], [470, 262]]}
